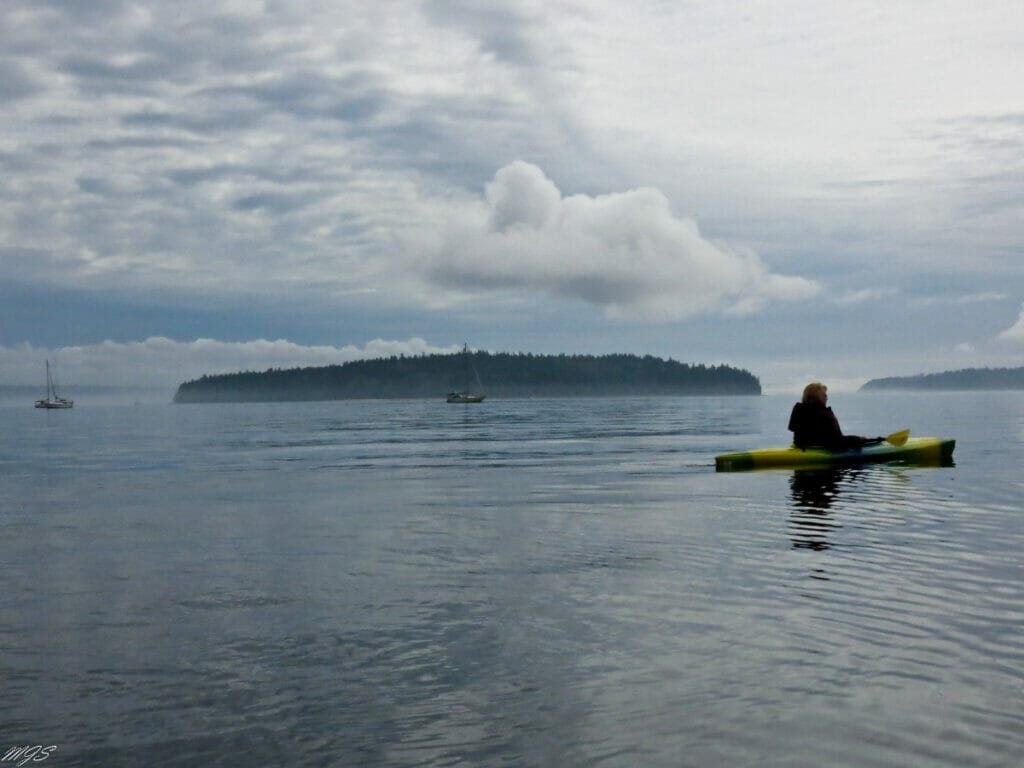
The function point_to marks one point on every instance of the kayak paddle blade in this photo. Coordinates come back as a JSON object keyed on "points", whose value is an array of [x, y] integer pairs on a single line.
{"points": [[898, 438]]}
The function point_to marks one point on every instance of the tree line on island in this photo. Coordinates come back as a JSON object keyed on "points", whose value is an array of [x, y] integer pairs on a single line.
{"points": [[496, 375], [964, 379]]}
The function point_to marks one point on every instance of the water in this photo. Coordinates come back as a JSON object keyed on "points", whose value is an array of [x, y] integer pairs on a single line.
{"points": [[518, 583]]}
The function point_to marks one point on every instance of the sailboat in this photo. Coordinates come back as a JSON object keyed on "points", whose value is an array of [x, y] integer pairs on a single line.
{"points": [[52, 400], [465, 396]]}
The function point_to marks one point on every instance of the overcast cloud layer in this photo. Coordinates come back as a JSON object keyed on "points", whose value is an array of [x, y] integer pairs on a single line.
{"points": [[802, 190]]}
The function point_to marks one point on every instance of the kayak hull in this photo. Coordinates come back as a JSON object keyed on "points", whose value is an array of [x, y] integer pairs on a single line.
{"points": [[924, 451]]}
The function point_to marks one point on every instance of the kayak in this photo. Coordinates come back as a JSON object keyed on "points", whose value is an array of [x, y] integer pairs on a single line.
{"points": [[928, 451]]}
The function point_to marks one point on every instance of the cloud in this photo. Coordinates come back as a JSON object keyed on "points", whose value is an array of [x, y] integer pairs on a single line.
{"points": [[283, 154], [244, 149], [502, 29], [16, 82], [625, 252], [1015, 333], [967, 299], [165, 363], [864, 296]]}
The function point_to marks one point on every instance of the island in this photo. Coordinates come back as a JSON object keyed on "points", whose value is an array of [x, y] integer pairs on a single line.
{"points": [[964, 379], [496, 374]]}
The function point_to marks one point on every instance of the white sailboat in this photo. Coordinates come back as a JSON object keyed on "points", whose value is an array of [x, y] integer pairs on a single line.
{"points": [[465, 396], [52, 400]]}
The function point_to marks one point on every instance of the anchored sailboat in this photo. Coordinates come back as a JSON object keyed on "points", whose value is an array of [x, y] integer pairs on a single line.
{"points": [[52, 400], [465, 396]]}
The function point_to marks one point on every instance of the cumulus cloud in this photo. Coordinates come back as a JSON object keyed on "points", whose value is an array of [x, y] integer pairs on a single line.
{"points": [[165, 363], [625, 252], [1015, 333]]}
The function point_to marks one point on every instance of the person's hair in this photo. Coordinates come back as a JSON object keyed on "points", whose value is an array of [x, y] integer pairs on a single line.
{"points": [[814, 392]]}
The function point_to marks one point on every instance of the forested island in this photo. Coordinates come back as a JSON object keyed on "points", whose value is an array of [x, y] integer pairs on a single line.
{"points": [[964, 379], [496, 375]]}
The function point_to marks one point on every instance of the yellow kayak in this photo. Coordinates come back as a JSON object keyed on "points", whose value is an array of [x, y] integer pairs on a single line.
{"points": [[929, 451]]}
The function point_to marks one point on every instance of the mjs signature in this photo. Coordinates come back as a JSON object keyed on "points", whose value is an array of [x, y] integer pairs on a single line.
{"points": [[31, 754]]}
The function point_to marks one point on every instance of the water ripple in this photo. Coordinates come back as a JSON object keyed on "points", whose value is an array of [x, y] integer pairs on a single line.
{"points": [[528, 584]]}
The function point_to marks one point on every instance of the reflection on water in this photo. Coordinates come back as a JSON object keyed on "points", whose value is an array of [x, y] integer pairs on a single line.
{"points": [[813, 493]]}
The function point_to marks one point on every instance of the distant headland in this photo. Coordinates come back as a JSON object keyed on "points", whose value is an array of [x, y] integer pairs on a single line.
{"points": [[496, 375], [964, 379]]}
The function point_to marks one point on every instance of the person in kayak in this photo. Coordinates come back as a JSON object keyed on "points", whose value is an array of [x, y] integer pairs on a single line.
{"points": [[815, 426]]}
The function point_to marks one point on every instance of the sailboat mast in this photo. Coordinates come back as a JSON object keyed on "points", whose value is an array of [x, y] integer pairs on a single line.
{"points": [[52, 400]]}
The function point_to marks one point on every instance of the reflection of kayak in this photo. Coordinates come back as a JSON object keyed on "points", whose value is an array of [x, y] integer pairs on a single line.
{"points": [[916, 450]]}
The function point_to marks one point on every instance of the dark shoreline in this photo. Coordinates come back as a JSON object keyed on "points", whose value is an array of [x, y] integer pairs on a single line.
{"points": [[500, 375], [963, 380]]}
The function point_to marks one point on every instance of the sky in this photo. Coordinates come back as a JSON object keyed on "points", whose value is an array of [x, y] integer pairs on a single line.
{"points": [[808, 191]]}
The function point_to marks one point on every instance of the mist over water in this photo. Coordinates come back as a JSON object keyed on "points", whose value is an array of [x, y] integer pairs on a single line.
{"points": [[521, 582]]}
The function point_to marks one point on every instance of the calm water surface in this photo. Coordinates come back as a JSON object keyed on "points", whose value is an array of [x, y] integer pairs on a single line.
{"points": [[520, 583]]}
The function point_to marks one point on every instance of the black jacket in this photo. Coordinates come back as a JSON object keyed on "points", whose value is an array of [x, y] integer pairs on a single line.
{"points": [[815, 425]]}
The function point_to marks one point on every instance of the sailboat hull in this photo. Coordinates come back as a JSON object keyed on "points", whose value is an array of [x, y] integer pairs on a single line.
{"points": [[54, 404], [465, 397]]}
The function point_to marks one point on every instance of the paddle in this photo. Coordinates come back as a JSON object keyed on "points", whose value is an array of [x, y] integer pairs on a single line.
{"points": [[898, 438]]}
